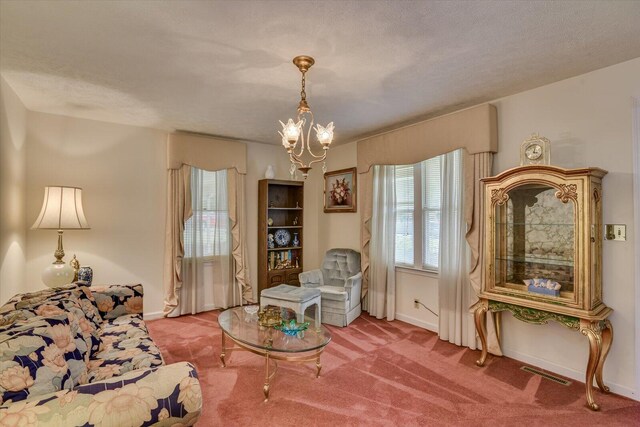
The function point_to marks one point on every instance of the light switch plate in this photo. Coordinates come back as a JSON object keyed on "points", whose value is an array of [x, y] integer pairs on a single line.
{"points": [[615, 232]]}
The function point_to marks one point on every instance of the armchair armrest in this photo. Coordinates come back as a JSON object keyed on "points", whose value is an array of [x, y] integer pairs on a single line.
{"points": [[353, 286], [311, 279], [170, 394], [116, 300]]}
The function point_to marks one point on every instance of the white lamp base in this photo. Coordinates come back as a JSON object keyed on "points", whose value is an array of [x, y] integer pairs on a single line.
{"points": [[58, 275]]}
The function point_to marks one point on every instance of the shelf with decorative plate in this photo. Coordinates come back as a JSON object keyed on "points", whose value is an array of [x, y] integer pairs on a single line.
{"points": [[280, 221]]}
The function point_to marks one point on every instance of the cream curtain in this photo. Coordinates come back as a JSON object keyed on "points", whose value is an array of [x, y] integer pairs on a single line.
{"points": [[478, 166], [178, 211], [382, 291], [185, 150], [455, 322], [238, 223]]}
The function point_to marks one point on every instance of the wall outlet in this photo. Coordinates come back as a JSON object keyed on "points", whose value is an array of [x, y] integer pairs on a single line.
{"points": [[416, 303]]}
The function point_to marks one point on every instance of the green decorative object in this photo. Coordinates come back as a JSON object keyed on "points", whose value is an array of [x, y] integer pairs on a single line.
{"points": [[291, 327], [537, 317]]}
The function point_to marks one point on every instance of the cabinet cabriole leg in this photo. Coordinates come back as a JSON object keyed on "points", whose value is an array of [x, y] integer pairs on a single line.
{"points": [[481, 327], [592, 331], [607, 339]]}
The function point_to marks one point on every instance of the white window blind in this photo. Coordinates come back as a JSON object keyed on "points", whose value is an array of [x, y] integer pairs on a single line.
{"points": [[418, 193], [431, 194], [404, 214], [206, 233]]}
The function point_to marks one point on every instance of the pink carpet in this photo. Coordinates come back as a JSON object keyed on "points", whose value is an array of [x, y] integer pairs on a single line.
{"points": [[378, 373]]}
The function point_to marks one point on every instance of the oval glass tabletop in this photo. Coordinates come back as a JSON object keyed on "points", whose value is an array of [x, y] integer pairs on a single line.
{"points": [[243, 327]]}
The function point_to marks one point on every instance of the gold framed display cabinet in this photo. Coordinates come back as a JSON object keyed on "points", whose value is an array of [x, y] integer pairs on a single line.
{"points": [[280, 232], [543, 256]]}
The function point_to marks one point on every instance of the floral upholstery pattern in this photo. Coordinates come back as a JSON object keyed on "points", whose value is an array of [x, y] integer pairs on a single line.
{"points": [[165, 396], [125, 346], [40, 355], [76, 355], [117, 300]]}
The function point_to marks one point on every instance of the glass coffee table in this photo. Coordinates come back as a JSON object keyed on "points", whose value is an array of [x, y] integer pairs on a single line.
{"points": [[243, 329]]}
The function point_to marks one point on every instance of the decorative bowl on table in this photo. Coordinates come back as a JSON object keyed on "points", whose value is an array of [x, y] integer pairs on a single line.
{"points": [[291, 327], [251, 309]]}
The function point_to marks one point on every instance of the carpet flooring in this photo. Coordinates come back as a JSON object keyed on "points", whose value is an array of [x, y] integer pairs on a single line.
{"points": [[378, 373]]}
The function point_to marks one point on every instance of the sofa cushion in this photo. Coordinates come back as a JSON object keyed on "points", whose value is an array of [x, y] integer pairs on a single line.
{"points": [[65, 303], [114, 301], [125, 346], [39, 355]]}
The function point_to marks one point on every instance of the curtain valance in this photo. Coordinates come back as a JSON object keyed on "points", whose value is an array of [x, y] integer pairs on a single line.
{"points": [[205, 152], [475, 129]]}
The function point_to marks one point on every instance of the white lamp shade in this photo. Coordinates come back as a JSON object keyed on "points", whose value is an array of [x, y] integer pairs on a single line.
{"points": [[61, 209]]}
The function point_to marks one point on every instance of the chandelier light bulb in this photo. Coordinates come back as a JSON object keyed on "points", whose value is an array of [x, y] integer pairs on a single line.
{"points": [[325, 135], [291, 131]]}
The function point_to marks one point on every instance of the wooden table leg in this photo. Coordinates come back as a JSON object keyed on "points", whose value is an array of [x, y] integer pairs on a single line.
{"points": [[480, 317], [223, 352], [592, 331], [607, 339]]}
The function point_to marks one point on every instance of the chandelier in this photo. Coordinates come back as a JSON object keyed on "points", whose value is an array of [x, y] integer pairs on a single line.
{"points": [[294, 131]]}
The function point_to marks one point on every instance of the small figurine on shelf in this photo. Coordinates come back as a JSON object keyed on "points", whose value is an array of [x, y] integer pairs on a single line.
{"points": [[297, 205], [270, 221], [271, 243], [297, 263], [295, 221], [271, 204]]}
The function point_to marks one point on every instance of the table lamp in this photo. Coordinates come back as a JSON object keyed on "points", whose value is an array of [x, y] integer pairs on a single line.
{"points": [[61, 210]]}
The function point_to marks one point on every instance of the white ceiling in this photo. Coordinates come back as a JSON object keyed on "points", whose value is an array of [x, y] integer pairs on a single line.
{"points": [[224, 67]]}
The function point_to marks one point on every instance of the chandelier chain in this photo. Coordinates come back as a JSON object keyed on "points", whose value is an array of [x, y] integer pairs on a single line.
{"points": [[303, 93]]}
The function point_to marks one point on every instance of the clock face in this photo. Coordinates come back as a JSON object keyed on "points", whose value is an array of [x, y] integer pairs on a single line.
{"points": [[533, 152]]}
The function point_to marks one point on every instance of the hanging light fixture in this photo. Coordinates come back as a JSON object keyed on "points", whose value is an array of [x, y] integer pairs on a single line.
{"points": [[294, 131]]}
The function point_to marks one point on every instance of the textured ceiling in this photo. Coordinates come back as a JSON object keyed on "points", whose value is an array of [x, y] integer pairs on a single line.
{"points": [[224, 68]]}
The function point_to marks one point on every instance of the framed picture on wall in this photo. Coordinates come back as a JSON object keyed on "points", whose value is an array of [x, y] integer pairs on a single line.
{"points": [[340, 190]]}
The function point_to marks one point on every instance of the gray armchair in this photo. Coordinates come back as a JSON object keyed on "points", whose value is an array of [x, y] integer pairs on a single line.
{"points": [[340, 282]]}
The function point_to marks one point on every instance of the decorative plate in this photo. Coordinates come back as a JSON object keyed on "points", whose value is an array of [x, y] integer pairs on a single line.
{"points": [[283, 237]]}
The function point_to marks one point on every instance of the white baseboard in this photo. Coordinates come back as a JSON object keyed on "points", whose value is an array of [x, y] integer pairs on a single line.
{"points": [[417, 322], [567, 372], [152, 316], [158, 314]]}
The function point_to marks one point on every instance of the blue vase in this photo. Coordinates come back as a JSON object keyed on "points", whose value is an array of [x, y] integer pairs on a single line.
{"points": [[85, 274], [296, 240]]}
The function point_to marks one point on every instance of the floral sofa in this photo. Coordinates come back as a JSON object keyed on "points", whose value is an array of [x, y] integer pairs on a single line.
{"points": [[82, 356]]}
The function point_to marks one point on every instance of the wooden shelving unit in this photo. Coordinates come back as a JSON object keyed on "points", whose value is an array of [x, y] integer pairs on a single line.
{"points": [[283, 202]]}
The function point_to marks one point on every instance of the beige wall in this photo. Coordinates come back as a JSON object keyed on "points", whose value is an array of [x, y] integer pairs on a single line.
{"points": [[339, 230], [122, 172], [589, 122], [13, 181]]}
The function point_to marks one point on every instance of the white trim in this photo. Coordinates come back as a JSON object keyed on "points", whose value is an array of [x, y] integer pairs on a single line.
{"points": [[152, 316], [416, 271], [566, 372], [158, 314], [433, 327], [636, 231]]}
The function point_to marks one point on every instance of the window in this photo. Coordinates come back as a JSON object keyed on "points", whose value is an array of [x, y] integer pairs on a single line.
{"points": [[418, 191], [206, 233]]}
